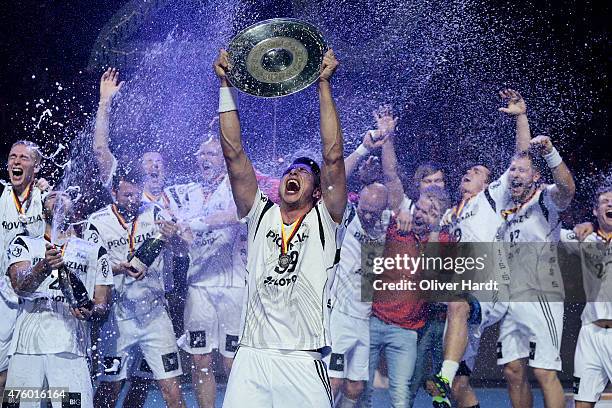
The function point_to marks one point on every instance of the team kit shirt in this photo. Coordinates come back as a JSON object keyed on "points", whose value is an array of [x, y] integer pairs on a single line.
{"points": [[348, 295], [18, 218], [45, 324], [286, 306], [106, 227], [211, 248], [596, 263], [477, 220], [534, 266]]}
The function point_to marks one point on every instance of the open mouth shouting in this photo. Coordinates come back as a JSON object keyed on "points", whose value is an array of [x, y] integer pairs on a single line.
{"points": [[292, 186], [609, 215], [16, 174]]}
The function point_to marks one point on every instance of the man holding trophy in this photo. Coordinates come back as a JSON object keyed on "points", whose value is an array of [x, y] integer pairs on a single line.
{"points": [[292, 253]]}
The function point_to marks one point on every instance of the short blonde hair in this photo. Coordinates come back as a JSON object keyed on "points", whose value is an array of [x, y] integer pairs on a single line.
{"points": [[33, 146]]}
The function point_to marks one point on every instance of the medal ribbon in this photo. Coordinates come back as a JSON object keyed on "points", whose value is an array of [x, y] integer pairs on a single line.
{"points": [[506, 213], [458, 209], [125, 227], [607, 237], [294, 229], [19, 203]]}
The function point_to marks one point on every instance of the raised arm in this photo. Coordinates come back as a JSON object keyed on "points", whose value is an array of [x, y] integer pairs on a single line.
{"points": [[109, 86], [239, 167], [516, 107], [564, 188], [365, 148], [386, 124], [333, 175]]}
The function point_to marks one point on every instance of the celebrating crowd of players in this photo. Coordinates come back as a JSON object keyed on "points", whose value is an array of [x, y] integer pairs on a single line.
{"points": [[276, 268]]}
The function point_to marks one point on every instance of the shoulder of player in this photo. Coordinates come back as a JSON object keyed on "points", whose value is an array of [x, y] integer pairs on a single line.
{"points": [[83, 245], [181, 189], [100, 215], [26, 240]]}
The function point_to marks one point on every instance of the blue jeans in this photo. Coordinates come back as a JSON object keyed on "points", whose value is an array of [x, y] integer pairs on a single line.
{"points": [[429, 351], [400, 347]]}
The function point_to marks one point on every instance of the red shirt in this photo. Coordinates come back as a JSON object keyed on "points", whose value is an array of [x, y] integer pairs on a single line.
{"points": [[404, 308]]}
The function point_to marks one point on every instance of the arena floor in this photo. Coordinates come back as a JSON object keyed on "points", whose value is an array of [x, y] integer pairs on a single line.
{"points": [[489, 397]]}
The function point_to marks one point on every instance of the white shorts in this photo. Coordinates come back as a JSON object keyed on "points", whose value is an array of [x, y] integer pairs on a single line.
{"points": [[491, 313], [533, 330], [8, 316], [40, 371], [264, 378], [212, 320], [155, 338], [592, 362], [350, 347]]}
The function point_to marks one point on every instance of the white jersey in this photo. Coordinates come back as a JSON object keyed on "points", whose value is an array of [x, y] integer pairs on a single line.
{"points": [[478, 220], [210, 262], [346, 291], [596, 264], [287, 304], [131, 298], [17, 218], [45, 324], [532, 231]]}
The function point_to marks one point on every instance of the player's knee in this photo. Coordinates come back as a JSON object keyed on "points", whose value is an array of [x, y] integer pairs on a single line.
{"points": [[353, 389], [227, 364], [171, 391], [336, 384], [545, 377], [514, 372], [201, 363], [458, 311]]}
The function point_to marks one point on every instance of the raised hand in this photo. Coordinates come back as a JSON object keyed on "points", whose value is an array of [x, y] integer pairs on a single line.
{"points": [[541, 145], [221, 66], [109, 84], [385, 121], [328, 66], [53, 257], [516, 104]]}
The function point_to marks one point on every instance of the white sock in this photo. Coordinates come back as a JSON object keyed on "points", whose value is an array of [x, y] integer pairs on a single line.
{"points": [[449, 369], [347, 403]]}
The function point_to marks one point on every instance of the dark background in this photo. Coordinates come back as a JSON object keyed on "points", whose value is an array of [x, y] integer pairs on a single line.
{"points": [[46, 41]]}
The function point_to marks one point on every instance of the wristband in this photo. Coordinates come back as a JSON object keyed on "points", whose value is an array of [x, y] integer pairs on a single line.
{"points": [[553, 159], [226, 100], [362, 150]]}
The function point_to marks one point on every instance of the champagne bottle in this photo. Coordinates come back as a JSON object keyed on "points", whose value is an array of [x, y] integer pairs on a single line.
{"points": [[73, 289], [147, 253]]}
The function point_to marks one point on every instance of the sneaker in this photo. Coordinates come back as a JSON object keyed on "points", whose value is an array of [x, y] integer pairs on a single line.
{"points": [[439, 389]]}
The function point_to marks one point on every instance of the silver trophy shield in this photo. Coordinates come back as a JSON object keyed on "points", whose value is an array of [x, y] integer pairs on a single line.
{"points": [[276, 57]]}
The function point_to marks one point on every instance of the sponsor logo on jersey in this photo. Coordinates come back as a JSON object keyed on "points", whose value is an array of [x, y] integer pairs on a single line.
{"points": [[231, 343], [280, 282], [15, 252], [75, 266], [276, 238], [532, 350], [336, 362], [104, 267], [197, 338], [138, 239], [10, 225], [171, 361]]}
